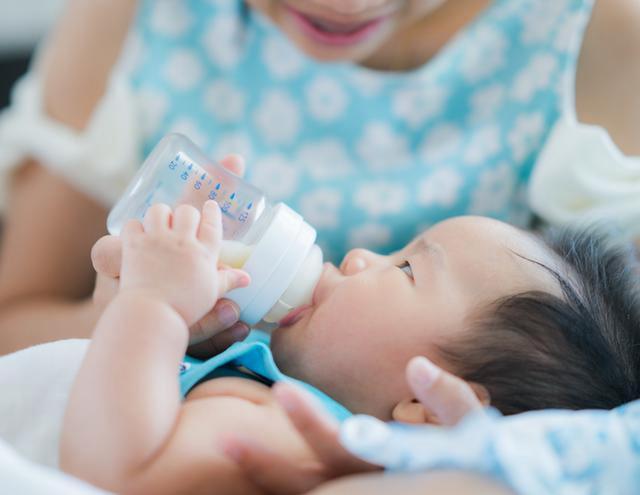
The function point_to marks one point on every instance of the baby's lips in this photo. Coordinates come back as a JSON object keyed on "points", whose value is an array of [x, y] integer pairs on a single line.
{"points": [[293, 316]]}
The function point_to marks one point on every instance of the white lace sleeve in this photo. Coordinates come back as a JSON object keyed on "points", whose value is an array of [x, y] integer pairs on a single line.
{"points": [[582, 176], [98, 161]]}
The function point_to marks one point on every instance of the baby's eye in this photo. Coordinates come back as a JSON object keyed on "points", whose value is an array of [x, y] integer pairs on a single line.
{"points": [[405, 266]]}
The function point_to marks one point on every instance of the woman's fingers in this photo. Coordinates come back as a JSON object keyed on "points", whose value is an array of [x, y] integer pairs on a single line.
{"points": [[218, 342], [270, 471], [235, 164], [106, 256], [446, 396], [318, 430]]}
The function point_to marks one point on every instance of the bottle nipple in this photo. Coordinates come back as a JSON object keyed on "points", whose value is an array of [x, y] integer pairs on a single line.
{"points": [[300, 291]]}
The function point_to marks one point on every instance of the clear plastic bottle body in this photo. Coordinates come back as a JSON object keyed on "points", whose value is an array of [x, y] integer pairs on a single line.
{"points": [[271, 242], [177, 172]]}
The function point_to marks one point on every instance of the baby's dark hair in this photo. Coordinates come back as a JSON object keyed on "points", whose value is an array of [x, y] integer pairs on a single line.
{"points": [[536, 350]]}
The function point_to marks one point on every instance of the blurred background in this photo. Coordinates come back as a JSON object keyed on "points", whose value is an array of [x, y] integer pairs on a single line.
{"points": [[22, 25]]}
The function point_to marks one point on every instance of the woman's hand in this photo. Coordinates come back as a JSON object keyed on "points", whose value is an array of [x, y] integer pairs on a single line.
{"points": [[211, 335], [447, 397]]}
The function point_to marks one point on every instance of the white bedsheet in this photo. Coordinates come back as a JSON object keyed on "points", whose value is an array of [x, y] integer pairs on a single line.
{"points": [[35, 384]]}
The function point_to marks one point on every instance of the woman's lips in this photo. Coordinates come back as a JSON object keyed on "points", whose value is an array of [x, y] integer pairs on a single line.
{"points": [[334, 33]]}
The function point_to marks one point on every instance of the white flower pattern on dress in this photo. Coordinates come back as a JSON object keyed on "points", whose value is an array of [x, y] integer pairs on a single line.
{"points": [[184, 70], [321, 208], [381, 198], [484, 144], [441, 188], [170, 19], [535, 77], [495, 188], [373, 235], [326, 99], [381, 148], [224, 40], [278, 118], [224, 101], [526, 135], [416, 105], [325, 160], [443, 143], [282, 59], [276, 176]]}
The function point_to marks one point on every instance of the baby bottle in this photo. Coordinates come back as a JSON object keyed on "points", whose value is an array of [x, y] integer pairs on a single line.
{"points": [[271, 242]]}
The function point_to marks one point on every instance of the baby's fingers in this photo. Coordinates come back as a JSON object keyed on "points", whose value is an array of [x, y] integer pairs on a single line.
{"points": [[186, 220], [106, 256], [210, 231], [231, 278]]}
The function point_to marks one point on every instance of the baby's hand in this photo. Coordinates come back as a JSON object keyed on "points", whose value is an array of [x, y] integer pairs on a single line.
{"points": [[174, 257]]}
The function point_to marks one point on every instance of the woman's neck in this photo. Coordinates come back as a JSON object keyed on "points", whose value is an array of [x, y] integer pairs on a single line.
{"points": [[415, 44]]}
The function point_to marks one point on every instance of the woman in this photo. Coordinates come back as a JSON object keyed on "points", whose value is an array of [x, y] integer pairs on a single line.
{"points": [[406, 111]]}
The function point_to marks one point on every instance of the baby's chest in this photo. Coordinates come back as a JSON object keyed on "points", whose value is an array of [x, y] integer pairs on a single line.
{"points": [[193, 461]]}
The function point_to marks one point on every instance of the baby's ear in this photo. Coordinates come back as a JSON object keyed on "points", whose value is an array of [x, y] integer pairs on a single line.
{"points": [[412, 411]]}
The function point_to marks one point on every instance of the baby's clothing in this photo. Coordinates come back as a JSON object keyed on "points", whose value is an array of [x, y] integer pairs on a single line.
{"points": [[369, 158], [562, 452], [251, 359]]}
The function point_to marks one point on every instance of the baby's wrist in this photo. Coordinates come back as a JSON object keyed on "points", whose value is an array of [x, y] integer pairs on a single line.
{"points": [[145, 302]]}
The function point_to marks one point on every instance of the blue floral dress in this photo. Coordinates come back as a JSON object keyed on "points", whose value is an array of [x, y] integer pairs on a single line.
{"points": [[369, 158]]}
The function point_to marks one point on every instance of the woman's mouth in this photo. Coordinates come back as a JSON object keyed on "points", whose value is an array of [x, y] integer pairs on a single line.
{"points": [[339, 34]]}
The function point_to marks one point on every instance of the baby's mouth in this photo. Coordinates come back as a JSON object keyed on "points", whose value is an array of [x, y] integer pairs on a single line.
{"points": [[293, 316]]}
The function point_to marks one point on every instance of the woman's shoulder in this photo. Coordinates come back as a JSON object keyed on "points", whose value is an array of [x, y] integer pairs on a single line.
{"points": [[608, 75]]}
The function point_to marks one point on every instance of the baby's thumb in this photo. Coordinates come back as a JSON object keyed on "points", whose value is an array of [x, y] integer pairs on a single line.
{"points": [[232, 278], [106, 256]]}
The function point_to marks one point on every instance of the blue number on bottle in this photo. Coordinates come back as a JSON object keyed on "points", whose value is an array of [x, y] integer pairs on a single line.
{"points": [[225, 207], [213, 195], [184, 176], [243, 217], [197, 185], [173, 165]]}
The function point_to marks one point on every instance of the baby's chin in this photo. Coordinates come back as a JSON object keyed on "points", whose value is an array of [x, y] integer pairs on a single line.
{"points": [[286, 350]]}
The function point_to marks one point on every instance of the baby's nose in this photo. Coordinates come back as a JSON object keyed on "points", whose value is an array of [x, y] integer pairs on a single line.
{"points": [[358, 260]]}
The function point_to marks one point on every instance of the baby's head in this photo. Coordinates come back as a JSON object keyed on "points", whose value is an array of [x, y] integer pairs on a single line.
{"points": [[529, 324]]}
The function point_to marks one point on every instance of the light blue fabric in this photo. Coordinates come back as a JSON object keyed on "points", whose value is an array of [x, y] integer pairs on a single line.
{"points": [[369, 158], [254, 355], [541, 452]]}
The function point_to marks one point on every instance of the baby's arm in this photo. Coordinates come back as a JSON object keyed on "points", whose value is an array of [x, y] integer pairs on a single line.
{"points": [[126, 400]]}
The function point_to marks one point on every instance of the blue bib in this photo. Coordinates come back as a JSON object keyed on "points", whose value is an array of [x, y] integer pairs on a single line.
{"points": [[246, 360]]}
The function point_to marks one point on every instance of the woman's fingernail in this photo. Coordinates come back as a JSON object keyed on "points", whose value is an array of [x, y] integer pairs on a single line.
{"points": [[233, 451], [239, 331], [284, 399], [228, 315], [423, 372]]}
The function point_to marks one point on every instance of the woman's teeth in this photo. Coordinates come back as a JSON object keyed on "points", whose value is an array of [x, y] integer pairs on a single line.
{"points": [[336, 28]]}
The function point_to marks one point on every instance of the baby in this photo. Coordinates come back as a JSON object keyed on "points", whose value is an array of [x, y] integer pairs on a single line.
{"points": [[530, 325]]}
